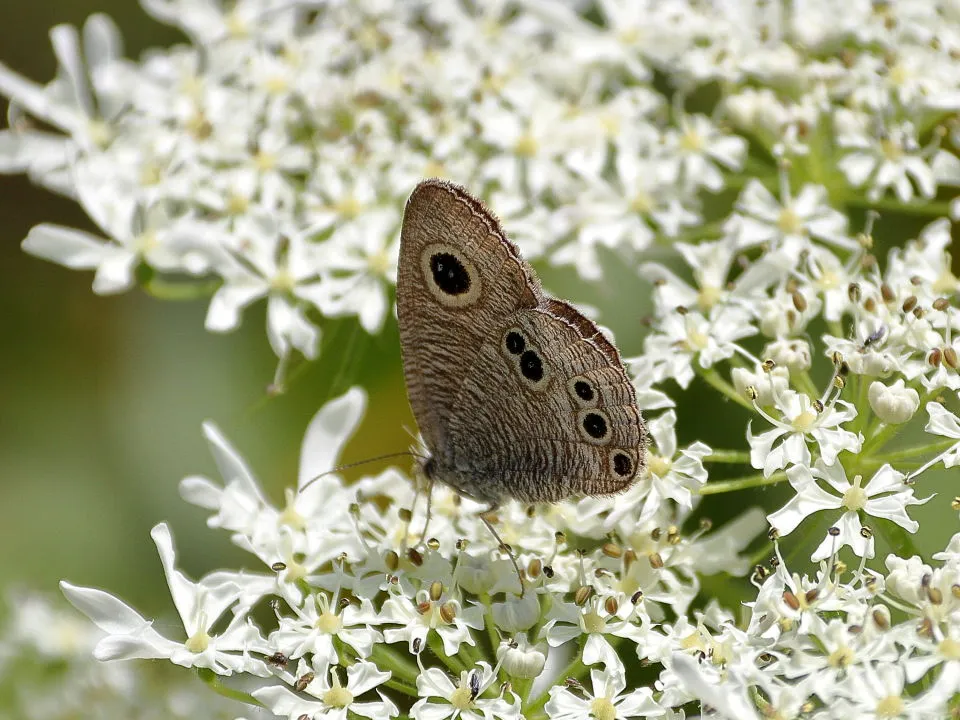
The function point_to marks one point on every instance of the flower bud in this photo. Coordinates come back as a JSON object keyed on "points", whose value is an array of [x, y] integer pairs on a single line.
{"points": [[474, 574], [768, 385], [521, 659], [893, 404], [517, 613], [793, 353]]}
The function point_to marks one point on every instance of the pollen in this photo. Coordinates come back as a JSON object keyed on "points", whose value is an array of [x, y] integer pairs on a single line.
{"points": [[265, 161], [603, 709], [856, 497], [841, 657], [658, 465], [338, 697], [805, 421], [950, 649], [890, 706], [592, 622], [691, 141], [642, 203], [789, 223], [461, 698], [708, 296], [198, 642], [348, 207], [526, 146], [329, 623], [290, 516]]}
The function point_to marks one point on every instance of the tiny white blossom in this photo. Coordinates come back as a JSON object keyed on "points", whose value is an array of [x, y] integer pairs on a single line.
{"points": [[200, 606], [894, 404], [885, 495], [800, 424]]}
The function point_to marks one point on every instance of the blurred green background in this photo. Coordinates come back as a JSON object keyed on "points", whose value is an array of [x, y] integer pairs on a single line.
{"points": [[102, 398]]}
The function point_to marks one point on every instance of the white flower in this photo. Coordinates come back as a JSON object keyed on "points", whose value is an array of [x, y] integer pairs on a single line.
{"points": [[465, 699], [943, 422], [568, 622], [885, 496], [520, 658], [789, 221], [162, 242], [200, 606], [333, 700], [444, 615], [314, 526], [895, 160], [319, 620], [895, 403], [262, 262], [801, 423], [605, 701], [695, 150], [793, 353], [672, 474], [359, 264], [684, 335]]}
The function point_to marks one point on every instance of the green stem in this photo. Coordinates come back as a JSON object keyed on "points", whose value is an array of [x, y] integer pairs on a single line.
{"points": [[718, 383], [728, 456], [215, 683], [522, 687], [742, 483], [929, 209], [907, 453], [491, 625], [163, 289], [398, 664], [403, 687], [574, 669], [454, 664], [878, 439]]}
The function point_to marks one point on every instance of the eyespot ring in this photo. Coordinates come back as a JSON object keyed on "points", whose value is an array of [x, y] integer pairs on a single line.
{"points": [[623, 465], [449, 275], [583, 392], [594, 426]]}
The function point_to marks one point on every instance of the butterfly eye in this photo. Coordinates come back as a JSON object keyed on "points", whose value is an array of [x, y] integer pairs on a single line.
{"points": [[622, 464], [594, 426], [582, 391]]}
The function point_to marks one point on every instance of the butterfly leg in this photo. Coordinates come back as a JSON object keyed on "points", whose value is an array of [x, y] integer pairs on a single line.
{"points": [[426, 520], [487, 516]]}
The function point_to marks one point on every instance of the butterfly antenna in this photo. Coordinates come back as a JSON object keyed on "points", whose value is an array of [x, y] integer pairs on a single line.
{"points": [[388, 456]]}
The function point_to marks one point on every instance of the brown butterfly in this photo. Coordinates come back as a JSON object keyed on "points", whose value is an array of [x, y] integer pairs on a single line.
{"points": [[516, 394]]}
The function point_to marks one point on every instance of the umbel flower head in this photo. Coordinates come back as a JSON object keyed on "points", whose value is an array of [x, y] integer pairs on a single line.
{"points": [[781, 180]]}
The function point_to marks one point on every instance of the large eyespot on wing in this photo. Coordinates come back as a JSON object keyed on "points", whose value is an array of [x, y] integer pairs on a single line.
{"points": [[458, 278], [450, 276]]}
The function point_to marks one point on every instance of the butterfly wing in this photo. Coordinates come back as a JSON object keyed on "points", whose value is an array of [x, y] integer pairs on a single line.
{"points": [[458, 279], [547, 411]]}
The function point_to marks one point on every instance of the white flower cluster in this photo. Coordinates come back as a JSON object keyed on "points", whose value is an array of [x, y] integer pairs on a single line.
{"points": [[374, 618], [47, 673], [272, 156]]}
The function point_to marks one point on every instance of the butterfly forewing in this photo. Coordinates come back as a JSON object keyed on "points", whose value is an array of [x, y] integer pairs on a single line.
{"points": [[454, 282]]}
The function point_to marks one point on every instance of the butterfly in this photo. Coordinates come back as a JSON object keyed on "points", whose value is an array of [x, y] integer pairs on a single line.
{"points": [[517, 395]]}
